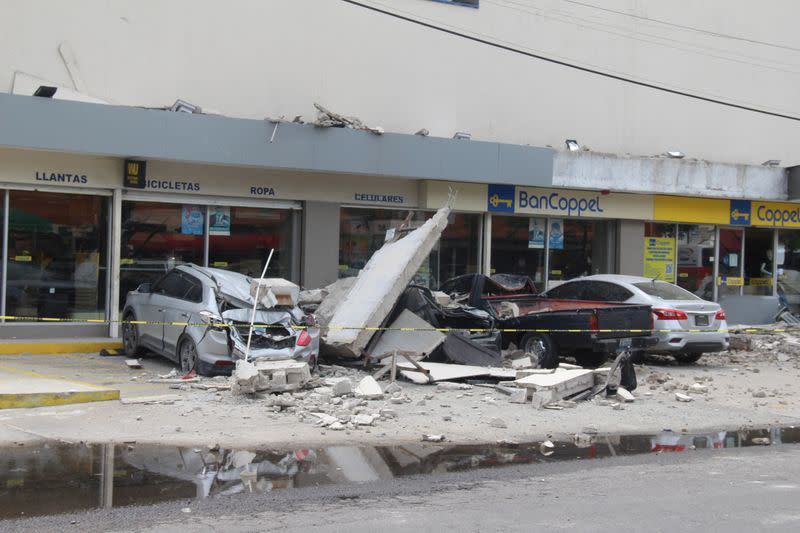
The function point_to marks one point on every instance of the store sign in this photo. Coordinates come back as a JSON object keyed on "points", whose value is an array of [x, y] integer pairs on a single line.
{"points": [[381, 198], [740, 212], [776, 214], [659, 258], [134, 174], [500, 199], [61, 177], [580, 204]]}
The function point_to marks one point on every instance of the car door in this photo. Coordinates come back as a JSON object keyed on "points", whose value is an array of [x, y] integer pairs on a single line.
{"points": [[182, 310], [163, 295]]}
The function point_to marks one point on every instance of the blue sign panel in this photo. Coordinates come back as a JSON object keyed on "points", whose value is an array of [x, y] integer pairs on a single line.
{"points": [[501, 198], [740, 212]]}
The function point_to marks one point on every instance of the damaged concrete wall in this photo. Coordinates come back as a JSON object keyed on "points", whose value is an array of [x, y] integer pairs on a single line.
{"points": [[380, 284]]}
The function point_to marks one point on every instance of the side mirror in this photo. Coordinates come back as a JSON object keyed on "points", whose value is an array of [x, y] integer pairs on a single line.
{"points": [[144, 288]]}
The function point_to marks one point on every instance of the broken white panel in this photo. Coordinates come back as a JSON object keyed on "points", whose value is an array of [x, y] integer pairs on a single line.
{"points": [[446, 372], [275, 291], [26, 84], [423, 340], [379, 285], [561, 384]]}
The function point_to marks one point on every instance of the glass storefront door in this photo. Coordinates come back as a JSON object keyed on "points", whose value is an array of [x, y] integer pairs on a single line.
{"points": [[240, 239], [575, 249], [696, 259], [759, 260], [156, 237], [57, 261], [787, 259], [518, 247], [362, 231], [730, 262]]}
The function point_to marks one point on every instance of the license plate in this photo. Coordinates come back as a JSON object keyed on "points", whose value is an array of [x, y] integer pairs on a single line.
{"points": [[701, 320]]}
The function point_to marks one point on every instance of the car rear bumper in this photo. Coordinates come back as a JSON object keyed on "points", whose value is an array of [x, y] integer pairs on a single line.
{"points": [[686, 342], [612, 345]]}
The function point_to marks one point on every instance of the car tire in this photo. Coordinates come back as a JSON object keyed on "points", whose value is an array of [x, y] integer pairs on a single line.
{"points": [[187, 355], [130, 336], [542, 347], [687, 357], [590, 358]]}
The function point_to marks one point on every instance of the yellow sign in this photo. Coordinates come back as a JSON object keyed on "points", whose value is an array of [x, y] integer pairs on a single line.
{"points": [[23, 258], [730, 281], [659, 258], [685, 209], [219, 264], [760, 282], [126, 261], [775, 214]]}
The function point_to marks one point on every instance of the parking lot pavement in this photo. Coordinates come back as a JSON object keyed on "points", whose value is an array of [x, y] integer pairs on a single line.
{"points": [[90, 369]]}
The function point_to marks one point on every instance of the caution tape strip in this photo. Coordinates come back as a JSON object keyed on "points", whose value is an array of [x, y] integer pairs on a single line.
{"points": [[222, 325]]}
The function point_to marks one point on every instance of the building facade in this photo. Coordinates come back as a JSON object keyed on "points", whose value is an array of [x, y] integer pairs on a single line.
{"points": [[222, 192]]}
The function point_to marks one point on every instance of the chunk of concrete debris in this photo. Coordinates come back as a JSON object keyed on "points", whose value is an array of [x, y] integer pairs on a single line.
{"points": [[521, 363], [560, 384], [624, 395], [681, 397], [269, 376], [547, 448], [364, 419], [449, 385], [541, 399], [498, 423], [337, 426], [133, 363], [761, 441], [342, 387], [698, 387], [379, 285], [759, 394], [432, 438], [399, 338], [518, 396], [325, 418], [369, 389]]}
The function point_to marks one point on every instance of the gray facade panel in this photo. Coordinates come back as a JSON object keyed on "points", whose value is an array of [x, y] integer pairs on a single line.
{"points": [[57, 125]]}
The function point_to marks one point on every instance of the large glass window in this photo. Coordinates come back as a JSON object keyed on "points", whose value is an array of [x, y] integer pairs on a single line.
{"points": [[787, 260], [363, 231], [730, 261], [573, 252], [759, 261], [240, 239], [57, 255], [155, 238], [518, 247], [696, 259]]}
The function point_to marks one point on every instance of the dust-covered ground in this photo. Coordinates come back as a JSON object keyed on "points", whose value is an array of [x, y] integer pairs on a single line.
{"points": [[753, 385]]}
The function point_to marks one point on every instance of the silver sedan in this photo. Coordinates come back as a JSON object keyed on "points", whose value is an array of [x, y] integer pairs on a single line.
{"points": [[200, 318], [686, 325]]}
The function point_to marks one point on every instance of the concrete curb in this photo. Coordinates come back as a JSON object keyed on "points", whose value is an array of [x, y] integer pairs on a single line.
{"points": [[49, 399], [77, 346]]}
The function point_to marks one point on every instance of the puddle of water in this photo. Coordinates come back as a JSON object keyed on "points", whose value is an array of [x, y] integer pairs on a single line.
{"points": [[56, 478]]}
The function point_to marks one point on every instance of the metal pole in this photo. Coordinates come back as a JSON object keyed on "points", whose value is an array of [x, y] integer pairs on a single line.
{"points": [[5, 254], [487, 244], [255, 304], [715, 273], [206, 239]]}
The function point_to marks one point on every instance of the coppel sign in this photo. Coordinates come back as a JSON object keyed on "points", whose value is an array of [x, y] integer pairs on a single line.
{"points": [[775, 214], [567, 203]]}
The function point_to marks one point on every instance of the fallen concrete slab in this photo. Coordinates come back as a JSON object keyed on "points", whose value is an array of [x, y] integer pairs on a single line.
{"points": [[269, 376], [448, 372], [561, 384], [409, 333], [379, 285]]}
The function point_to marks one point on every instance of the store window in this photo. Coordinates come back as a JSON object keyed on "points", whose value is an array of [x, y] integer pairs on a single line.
{"points": [[155, 238], [759, 260], [576, 248], [787, 259], [730, 262], [363, 231], [240, 239], [57, 257], [518, 247], [696, 259]]}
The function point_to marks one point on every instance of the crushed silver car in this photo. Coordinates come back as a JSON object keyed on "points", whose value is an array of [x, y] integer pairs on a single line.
{"points": [[212, 308]]}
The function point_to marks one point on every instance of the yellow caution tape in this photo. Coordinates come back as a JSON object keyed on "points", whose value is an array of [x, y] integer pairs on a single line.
{"points": [[405, 329]]}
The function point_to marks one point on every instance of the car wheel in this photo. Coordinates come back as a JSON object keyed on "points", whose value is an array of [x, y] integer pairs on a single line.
{"points": [[590, 359], [187, 355], [130, 336], [542, 347], [688, 357]]}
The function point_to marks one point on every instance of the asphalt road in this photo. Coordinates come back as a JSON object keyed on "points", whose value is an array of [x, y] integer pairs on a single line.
{"points": [[752, 489]]}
